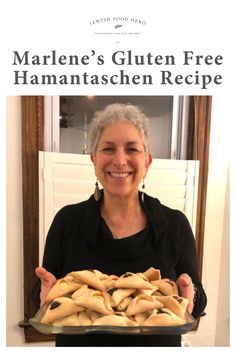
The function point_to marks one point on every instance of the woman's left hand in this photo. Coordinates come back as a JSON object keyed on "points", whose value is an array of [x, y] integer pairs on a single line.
{"points": [[186, 289]]}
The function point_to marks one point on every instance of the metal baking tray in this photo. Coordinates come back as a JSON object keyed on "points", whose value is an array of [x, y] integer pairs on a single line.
{"points": [[79, 330]]}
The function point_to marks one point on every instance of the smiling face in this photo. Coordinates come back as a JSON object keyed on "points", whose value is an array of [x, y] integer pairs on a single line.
{"points": [[120, 160]]}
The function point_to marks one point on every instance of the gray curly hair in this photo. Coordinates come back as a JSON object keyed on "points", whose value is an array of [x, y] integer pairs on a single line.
{"points": [[116, 112]]}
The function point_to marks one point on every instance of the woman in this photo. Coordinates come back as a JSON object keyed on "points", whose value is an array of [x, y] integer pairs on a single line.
{"points": [[120, 229]]}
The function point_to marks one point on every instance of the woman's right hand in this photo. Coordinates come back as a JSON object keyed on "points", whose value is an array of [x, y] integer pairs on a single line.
{"points": [[47, 281]]}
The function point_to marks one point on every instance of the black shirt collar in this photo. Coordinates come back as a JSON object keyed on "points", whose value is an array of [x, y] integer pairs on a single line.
{"points": [[152, 207]]}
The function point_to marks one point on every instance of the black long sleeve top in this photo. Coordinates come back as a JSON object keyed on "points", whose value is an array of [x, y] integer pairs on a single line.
{"points": [[80, 239]]}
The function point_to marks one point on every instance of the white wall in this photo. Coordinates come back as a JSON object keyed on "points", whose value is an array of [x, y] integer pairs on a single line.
{"points": [[218, 210], [213, 330], [14, 223]]}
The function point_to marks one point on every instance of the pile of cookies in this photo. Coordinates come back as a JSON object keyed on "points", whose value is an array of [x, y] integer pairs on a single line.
{"points": [[90, 297]]}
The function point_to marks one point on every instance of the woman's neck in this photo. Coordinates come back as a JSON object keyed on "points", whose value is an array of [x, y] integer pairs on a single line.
{"points": [[124, 217], [116, 204]]}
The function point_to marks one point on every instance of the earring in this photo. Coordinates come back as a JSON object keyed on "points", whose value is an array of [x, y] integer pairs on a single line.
{"points": [[97, 191], [143, 187]]}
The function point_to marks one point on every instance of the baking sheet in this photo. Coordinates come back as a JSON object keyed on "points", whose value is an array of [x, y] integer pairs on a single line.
{"points": [[79, 330]]}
